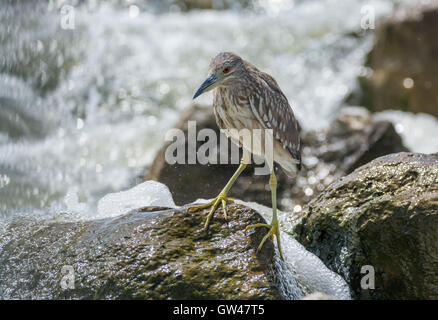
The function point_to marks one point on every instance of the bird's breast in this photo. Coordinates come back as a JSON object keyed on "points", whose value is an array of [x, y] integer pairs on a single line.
{"points": [[232, 110]]}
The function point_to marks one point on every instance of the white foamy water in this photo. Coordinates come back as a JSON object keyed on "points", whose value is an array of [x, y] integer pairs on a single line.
{"points": [[148, 193], [301, 272], [418, 131]]}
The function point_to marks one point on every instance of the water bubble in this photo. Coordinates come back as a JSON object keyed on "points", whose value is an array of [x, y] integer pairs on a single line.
{"points": [[4, 180], [133, 11], [311, 161], [399, 128], [312, 180], [408, 83], [40, 46], [164, 88], [308, 192], [323, 173], [79, 124]]}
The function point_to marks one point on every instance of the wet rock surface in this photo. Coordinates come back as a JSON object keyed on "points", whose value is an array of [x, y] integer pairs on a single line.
{"points": [[153, 253], [384, 215], [353, 139], [403, 66]]}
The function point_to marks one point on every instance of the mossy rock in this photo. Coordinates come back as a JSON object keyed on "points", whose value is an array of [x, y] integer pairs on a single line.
{"points": [[384, 215], [154, 253]]}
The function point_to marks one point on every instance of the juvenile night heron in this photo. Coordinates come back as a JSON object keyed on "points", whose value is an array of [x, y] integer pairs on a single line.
{"points": [[247, 98]]}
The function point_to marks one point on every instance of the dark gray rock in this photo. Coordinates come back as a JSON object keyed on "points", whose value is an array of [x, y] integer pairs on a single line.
{"points": [[155, 253], [384, 214], [403, 63]]}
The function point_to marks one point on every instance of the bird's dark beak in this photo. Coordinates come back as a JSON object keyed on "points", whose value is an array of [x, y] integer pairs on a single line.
{"points": [[211, 79]]}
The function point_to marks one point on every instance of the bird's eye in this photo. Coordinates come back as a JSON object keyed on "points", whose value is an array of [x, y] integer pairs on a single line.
{"points": [[226, 70]]}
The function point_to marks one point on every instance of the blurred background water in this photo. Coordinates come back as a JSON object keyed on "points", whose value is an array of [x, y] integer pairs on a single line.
{"points": [[83, 111]]}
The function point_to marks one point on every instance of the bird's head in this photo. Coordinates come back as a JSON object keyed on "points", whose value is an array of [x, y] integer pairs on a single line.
{"points": [[224, 68]]}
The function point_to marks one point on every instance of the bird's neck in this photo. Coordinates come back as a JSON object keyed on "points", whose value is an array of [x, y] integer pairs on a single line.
{"points": [[235, 86]]}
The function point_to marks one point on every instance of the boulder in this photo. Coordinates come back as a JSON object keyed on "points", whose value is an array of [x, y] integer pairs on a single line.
{"points": [[353, 139], [403, 68], [152, 253], [381, 219]]}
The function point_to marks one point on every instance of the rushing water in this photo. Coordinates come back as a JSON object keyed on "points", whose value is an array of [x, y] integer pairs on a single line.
{"points": [[83, 111]]}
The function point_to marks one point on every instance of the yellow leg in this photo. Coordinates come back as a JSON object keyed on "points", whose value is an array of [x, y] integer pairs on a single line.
{"points": [[222, 197], [273, 227]]}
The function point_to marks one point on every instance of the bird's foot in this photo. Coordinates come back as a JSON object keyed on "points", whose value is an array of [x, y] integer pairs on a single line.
{"points": [[273, 230], [220, 199]]}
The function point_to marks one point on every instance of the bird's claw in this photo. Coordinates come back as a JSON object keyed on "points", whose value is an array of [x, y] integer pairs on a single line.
{"points": [[273, 230], [220, 199]]}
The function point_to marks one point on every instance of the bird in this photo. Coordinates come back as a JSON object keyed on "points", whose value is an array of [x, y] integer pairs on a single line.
{"points": [[246, 98]]}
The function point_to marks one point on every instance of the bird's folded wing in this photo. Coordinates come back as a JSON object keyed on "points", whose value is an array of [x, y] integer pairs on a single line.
{"points": [[272, 109]]}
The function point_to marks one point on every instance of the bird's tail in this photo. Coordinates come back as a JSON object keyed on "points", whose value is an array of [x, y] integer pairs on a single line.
{"points": [[292, 169]]}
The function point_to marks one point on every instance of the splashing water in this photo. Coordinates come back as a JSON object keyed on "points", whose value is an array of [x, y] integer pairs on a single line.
{"points": [[301, 272], [149, 193]]}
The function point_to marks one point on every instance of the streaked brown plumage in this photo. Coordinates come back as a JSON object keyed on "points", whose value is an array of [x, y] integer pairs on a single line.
{"points": [[247, 98]]}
